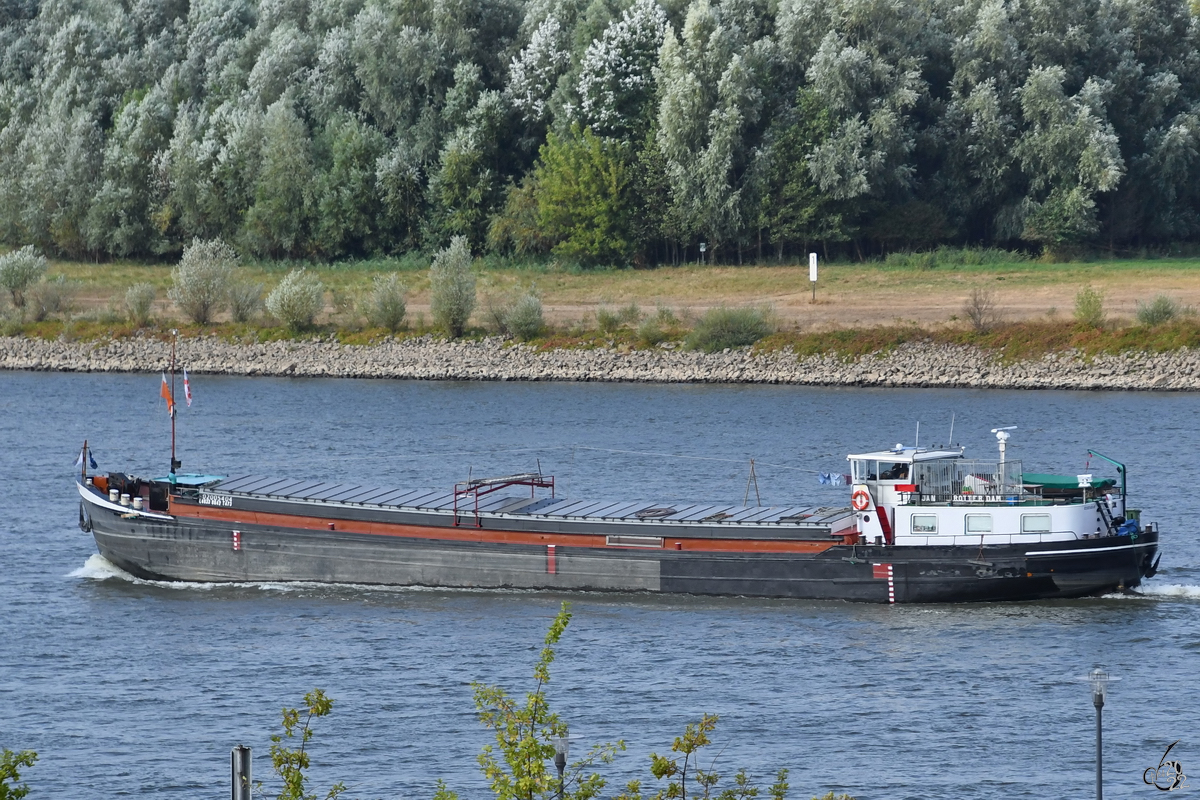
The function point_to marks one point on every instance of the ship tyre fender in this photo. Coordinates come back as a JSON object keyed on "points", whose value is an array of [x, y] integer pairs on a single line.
{"points": [[85, 520], [860, 500]]}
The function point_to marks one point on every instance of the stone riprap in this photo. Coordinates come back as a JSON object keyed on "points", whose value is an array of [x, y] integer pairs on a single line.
{"points": [[429, 358]]}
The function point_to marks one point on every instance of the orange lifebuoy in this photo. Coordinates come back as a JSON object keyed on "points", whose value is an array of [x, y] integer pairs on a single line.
{"points": [[860, 500]]}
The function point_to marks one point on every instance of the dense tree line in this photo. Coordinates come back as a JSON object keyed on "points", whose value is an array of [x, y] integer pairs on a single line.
{"points": [[601, 131]]}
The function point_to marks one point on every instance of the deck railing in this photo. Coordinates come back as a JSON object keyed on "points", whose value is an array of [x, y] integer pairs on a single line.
{"points": [[947, 480]]}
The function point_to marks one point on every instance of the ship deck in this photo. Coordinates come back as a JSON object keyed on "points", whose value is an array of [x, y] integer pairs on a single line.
{"points": [[665, 513]]}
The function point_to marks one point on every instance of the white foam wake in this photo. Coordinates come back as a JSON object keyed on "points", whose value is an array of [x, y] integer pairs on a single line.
{"points": [[99, 568], [1171, 590], [1158, 591]]}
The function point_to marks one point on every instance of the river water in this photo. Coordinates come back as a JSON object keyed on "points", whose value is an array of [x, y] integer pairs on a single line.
{"points": [[132, 688]]}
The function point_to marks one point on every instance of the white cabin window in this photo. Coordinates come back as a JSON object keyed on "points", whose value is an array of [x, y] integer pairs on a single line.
{"points": [[1035, 523], [979, 523], [924, 523]]}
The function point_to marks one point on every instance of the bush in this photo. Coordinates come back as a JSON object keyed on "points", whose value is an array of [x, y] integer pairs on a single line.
{"points": [[1158, 311], [651, 332], [139, 303], [1089, 307], [384, 306], [654, 330], [452, 287], [980, 309], [245, 300], [725, 327], [19, 270], [48, 297], [609, 322], [297, 299], [955, 257], [202, 279], [524, 320]]}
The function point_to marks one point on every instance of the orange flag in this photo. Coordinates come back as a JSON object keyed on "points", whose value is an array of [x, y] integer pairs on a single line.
{"points": [[165, 393]]}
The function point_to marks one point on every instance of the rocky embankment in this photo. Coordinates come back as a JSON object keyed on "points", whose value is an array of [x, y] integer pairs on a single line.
{"points": [[427, 358]]}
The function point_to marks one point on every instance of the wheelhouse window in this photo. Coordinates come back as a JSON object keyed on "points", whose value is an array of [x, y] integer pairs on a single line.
{"points": [[879, 471], [979, 523], [1035, 523], [924, 523]]}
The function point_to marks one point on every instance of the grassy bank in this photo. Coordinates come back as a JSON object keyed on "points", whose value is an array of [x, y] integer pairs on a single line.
{"points": [[860, 307]]}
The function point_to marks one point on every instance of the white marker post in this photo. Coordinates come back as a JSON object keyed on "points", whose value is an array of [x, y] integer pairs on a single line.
{"points": [[812, 274]]}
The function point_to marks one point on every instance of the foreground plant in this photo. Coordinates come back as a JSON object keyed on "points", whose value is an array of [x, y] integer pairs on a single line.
{"points": [[516, 767], [704, 782], [290, 762], [10, 772]]}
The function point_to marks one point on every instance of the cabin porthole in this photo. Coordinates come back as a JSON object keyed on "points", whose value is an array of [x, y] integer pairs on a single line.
{"points": [[866, 517]]}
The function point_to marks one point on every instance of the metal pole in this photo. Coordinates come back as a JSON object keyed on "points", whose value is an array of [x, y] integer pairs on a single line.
{"points": [[560, 761], [1099, 701], [174, 462], [239, 767]]}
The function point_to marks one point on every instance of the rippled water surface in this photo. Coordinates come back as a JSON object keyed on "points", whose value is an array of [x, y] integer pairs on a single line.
{"points": [[127, 687]]}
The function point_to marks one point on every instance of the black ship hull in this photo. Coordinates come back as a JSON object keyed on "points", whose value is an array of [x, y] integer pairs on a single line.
{"points": [[357, 546]]}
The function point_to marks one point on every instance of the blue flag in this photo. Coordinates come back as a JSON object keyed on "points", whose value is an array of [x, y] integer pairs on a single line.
{"points": [[91, 459]]}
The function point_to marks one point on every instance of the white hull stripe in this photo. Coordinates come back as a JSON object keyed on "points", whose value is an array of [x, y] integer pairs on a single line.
{"points": [[1089, 550], [97, 500]]}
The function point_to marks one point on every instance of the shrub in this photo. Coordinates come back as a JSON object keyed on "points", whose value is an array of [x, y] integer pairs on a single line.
{"points": [[608, 321], [524, 320], [651, 332], [452, 287], [297, 299], [654, 329], [48, 297], [139, 302], [1158, 311], [384, 305], [725, 327], [202, 279], [1089, 307], [245, 300], [19, 270], [980, 309]]}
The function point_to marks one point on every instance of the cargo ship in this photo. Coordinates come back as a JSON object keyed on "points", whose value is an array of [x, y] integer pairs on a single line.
{"points": [[923, 525]]}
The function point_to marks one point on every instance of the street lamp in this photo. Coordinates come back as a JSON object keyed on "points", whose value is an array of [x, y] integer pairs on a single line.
{"points": [[562, 746], [1099, 679]]}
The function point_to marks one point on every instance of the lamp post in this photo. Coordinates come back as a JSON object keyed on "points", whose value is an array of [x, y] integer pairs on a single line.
{"points": [[562, 746], [1099, 679]]}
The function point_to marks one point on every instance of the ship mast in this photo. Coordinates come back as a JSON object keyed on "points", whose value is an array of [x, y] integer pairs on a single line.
{"points": [[174, 461]]}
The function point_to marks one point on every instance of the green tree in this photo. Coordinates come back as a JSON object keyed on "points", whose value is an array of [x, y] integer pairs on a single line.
{"points": [[583, 197], [707, 99], [10, 770], [277, 222], [290, 762], [348, 203], [793, 210]]}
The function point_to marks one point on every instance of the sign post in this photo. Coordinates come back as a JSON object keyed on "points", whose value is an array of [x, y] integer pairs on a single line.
{"points": [[812, 274]]}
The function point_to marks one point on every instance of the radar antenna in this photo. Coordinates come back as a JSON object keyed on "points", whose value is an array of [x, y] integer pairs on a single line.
{"points": [[1002, 437]]}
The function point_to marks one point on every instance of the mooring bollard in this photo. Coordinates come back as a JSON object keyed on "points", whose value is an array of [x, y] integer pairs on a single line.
{"points": [[239, 767]]}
